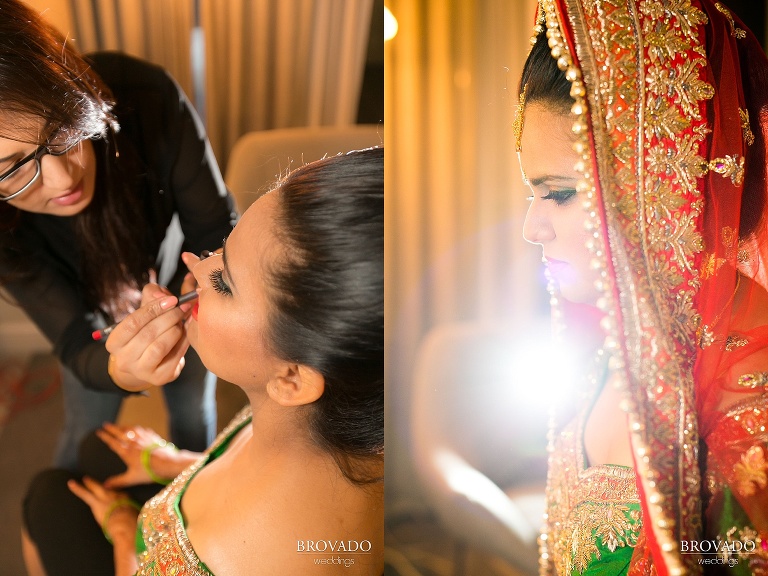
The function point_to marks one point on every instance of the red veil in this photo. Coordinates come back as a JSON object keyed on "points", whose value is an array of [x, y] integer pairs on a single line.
{"points": [[671, 122]]}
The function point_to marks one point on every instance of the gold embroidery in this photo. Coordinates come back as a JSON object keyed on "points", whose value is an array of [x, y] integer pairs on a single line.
{"points": [[729, 166], [168, 549], [755, 380], [684, 83], [730, 238], [517, 125], [751, 415], [749, 138], [706, 337], [688, 17], [665, 43], [652, 196], [750, 473], [710, 264], [736, 32], [705, 334], [587, 506], [612, 525], [733, 342]]}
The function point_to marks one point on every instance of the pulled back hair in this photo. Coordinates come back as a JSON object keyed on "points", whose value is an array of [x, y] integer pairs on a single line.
{"points": [[328, 299], [44, 81], [543, 81]]}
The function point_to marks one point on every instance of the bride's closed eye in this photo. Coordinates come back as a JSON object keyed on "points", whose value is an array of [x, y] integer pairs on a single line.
{"points": [[216, 277], [560, 197]]}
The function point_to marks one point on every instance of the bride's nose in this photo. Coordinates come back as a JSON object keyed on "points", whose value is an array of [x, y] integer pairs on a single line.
{"points": [[537, 228]]}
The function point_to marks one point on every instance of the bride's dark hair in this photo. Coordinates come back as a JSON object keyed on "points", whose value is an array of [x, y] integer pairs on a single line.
{"points": [[543, 81], [328, 298]]}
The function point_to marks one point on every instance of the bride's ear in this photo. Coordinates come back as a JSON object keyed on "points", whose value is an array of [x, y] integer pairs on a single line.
{"points": [[295, 385]]}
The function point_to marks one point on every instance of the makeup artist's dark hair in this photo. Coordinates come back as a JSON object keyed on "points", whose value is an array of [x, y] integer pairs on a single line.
{"points": [[42, 77], [544, 81], [328, 299]]}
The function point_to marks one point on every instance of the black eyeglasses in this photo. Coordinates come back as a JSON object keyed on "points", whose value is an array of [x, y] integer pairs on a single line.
{"points": [[20, 177]]}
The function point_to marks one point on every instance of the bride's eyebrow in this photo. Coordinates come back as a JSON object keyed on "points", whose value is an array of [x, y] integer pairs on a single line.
{"points": [[224, 260], [551, 179]]}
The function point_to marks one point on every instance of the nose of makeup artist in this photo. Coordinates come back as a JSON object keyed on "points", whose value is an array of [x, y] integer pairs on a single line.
{"points": [[537, 228], [55, 172]]}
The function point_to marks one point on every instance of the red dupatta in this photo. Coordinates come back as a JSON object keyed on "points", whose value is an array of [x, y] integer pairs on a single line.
{"points": [[669, 98]]}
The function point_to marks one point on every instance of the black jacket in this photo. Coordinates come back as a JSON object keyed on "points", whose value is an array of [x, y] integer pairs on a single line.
{"points": [[178, 175]]}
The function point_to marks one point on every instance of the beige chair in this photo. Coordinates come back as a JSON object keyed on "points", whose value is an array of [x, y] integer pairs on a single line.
{"points": [[259, 158], [479, 451]]}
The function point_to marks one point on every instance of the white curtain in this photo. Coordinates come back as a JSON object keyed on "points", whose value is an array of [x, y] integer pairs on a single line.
{"points": [[283, 63], [269, 63], [455, 203]]}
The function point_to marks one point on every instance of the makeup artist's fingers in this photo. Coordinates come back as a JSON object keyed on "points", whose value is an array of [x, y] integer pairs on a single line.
{"points": [[152, 292], [163, 355], [140, 346], [152, 320], [136, 367], [173, 363]]}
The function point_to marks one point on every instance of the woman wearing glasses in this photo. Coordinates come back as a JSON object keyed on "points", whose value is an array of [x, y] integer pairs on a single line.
{"points": [[105, 175]]}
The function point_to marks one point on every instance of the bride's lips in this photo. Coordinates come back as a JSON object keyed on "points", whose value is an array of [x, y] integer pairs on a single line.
{"points": [[194, 309], [71, 197], [556, 267], [553, 262]]}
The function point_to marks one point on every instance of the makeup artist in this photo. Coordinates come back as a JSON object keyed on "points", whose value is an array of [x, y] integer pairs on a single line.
{"points": [[106, 176]]}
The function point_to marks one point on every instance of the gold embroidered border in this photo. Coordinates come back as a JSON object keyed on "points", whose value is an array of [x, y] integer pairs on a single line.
{"points": [[588, 504], [169, 551], [646, 151]]}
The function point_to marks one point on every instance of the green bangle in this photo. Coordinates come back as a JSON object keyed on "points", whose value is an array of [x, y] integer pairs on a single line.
{"points": [[119, 503], [146, 455]]}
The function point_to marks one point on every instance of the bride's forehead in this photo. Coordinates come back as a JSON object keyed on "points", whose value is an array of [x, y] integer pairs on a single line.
{"points": [[547, 143]]}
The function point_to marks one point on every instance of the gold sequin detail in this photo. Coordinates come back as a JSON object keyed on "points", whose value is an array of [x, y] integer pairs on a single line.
{"points": [[729, 167], [169, 551], [517, 125], [750, 473], [733, 342], [749, 137], [710, 265], [587, 506], [755, 380], [736, 32]]}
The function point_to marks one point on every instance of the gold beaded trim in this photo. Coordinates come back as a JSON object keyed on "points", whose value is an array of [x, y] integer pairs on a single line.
{"points": [[729, 167], [517, 125], [736, 32], [754, 380], [746, 130], [732, 342], [587, 190]]}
